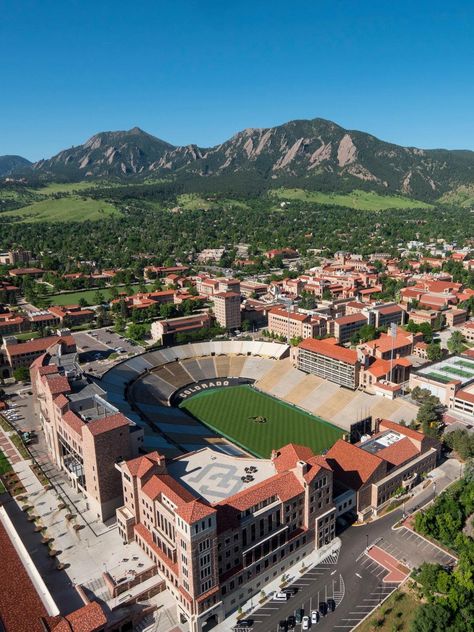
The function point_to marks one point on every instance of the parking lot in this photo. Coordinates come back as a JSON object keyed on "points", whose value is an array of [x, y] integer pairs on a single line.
{"points": [[412, 549], [96, 347]]}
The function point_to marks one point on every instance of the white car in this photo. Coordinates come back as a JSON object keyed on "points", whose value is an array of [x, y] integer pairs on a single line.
{"points": [[305, 623], [314, 616]]}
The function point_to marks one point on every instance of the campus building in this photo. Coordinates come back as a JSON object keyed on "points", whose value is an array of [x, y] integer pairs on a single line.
{"points": [[84, 433], [391, 460], [22, 354], [328, 360], [220, 527], [165, 331], [227, 309], [451, 380], [282, 322], [345, 327]]}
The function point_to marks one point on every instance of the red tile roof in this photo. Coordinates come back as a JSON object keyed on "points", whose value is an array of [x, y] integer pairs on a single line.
{"points": [[73, 421], [58, 384], [167, 485], [387, 424], [89, 618], [400, 452], [329, 347], [390, 309], [284, 485], [194, 511], [291, 315], [21, 608], [39, 345], [352, 465], [98, 426], [351, 318], [286, 457], [465, 396], [142, 464]]}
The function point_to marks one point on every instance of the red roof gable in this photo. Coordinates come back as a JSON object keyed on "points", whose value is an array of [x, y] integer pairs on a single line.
{"points": [[352, 465], [98, 426]]}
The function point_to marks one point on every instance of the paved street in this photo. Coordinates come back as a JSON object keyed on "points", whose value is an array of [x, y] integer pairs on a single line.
{"points": [[355, 580]]}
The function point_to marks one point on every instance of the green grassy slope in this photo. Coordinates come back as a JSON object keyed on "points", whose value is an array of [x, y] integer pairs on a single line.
{"points": [[359, 200], [66, 209], [228, 411]]}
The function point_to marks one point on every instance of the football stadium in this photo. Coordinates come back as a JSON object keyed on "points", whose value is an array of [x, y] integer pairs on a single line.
{"points": [[240, 397]]}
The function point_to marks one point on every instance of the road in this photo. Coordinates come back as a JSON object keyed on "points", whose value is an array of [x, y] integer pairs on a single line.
{"points": [[354, 580]]}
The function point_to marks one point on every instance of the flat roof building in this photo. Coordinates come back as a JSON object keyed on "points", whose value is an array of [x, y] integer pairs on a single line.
{"points": [[227, 309]]}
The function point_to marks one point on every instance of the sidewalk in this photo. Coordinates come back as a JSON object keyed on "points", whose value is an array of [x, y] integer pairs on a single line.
{"points": [[293, 573]]}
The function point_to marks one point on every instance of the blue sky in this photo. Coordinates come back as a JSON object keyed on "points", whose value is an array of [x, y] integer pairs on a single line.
{"points": [[200, 70]]}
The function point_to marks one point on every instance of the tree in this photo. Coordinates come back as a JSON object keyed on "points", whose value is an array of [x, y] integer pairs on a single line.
{"points": [[98, 298], [246, 326], [456, 342], [137, 331], [429, 415], [431, 618], [434, 352], [120, 323], [83, 302], [21, 374], [294, 342]]}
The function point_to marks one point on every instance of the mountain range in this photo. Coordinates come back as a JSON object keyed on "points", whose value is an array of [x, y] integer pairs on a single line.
{"points": [[317, 152], [11, 164]]}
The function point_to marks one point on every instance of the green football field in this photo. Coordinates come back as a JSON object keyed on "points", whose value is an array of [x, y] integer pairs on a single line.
{"points": [[229, 411]]}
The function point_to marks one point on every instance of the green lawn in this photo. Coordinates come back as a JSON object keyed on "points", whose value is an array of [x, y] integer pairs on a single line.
{"points": [[67, 209], [228, 410], [4, 464], [193, 202], [360, 200], [73, 298], [27, 335]]}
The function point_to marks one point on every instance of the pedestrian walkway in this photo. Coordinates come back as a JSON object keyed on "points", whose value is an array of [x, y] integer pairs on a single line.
{"points": [[8, 447], [397, 573]]}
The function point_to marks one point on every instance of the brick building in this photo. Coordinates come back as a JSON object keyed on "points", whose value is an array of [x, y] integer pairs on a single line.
{"points": [[23, 354], [227, 309], [218, 544], [282, 322], [84, 433], [326, 359], [394, 457]]}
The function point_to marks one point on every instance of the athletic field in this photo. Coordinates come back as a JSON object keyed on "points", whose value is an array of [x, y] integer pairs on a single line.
{"points": [[231, 412]]}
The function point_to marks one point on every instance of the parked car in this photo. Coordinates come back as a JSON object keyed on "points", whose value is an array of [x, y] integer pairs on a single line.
{"points": [[291, 622], [305, 623], [299, 615], [323, 608], [281, 596], [314, 616], [292, 590], [282, 627], [331, 604], [244, 623]]}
